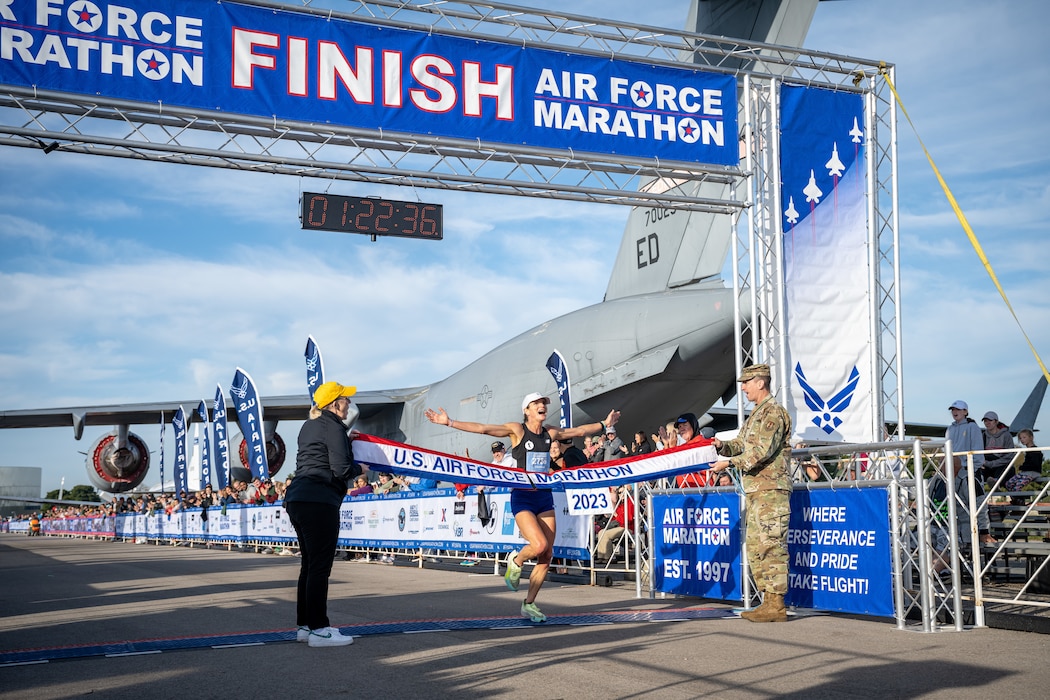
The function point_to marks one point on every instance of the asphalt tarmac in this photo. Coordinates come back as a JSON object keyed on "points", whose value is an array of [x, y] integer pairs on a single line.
{"points": [[118, 620]]}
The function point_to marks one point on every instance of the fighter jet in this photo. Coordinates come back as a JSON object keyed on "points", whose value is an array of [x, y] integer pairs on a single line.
{"points": [[835, 166]]}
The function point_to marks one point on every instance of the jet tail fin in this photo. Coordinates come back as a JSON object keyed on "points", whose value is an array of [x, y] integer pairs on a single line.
{"points": [[665, 248], [1029, 412]]}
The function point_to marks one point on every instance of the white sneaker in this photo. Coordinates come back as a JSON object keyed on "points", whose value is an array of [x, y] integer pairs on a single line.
{"points": [[329, 637], [302, 634]]}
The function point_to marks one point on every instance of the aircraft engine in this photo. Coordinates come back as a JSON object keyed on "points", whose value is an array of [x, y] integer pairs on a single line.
{"points": [[276, 453], [115, 469]]}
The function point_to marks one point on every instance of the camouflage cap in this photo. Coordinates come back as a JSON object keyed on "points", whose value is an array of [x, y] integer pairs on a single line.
{"points": [[752, 371]]}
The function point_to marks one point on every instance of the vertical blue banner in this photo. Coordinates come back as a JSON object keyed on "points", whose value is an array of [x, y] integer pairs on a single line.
{"points": [[179, 424], [163, 429], [824, 191], [202, 411], [222, 444], [314, 366], [249, 417], [839, 551], [697, 545], [558, 370]]}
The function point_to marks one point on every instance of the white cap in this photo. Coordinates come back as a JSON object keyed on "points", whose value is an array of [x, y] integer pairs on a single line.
{"points": [[534, 396], [960, 404]]}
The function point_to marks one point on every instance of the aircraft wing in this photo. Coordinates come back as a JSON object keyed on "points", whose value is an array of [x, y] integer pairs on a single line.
{"points": [[275, 408], [52, 501]]}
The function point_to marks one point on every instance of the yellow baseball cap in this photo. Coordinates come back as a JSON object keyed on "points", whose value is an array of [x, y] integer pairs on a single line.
{"points": [[330, 391]]}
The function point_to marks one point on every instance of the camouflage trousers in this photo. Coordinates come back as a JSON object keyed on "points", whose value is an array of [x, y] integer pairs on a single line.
{"points": [[767, 526]]}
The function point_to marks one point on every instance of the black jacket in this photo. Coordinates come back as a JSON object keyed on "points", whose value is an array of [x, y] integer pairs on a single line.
{"points": [[324, 465]]}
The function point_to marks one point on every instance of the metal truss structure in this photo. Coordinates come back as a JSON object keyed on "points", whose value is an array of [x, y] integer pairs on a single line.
{"points": [[759, 262], [748, 195]]}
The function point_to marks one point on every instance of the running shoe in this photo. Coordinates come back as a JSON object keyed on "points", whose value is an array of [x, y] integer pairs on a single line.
{"points": [[513, 575], [302, 634], [329, 637], [530, 611]]}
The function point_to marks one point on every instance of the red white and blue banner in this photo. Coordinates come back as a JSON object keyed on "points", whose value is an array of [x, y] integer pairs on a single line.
{"points": [[826, 265], [305, 65], [249, 417], [221, 446], [388, 456], [314, 367], [202, 411], [178, 424]]}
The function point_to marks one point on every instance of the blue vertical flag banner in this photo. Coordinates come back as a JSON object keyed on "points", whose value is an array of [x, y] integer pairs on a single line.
{"points": [[179, 425], [839, 551], [697, 545], [250, 418], [314, 367], [222, 444], [202, 411], [163, 429], [558, 370], [826, 273], [292, 64]]}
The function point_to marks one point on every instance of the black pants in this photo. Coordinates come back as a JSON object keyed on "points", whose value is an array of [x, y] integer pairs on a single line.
{"points": [[317, 526]]}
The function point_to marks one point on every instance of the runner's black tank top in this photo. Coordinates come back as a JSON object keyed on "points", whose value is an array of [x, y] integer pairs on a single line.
{"points": [[533, 453]]}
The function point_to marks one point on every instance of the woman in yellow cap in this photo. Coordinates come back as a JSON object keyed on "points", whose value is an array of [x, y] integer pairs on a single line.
{"points": [[324, 467]]}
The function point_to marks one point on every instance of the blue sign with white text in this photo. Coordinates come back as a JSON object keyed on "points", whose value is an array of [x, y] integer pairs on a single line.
{"points": [[839, 551], [697, 545], [296, 65]]}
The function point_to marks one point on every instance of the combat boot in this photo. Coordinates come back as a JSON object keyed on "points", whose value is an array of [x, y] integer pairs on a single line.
{"points": [[771, 610]]}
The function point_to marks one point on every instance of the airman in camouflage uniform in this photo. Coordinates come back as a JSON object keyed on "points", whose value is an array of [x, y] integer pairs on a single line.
{"points": [[760, 453]]}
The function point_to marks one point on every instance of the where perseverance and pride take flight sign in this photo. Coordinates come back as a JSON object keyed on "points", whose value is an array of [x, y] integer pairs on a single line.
{"points": [[294, 65]]}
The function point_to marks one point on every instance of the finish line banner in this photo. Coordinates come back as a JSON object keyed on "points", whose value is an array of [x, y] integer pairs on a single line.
{"points": [[307, 66], [388, 456]]}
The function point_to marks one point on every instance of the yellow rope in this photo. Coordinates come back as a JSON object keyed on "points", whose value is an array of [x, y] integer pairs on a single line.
{"points": [[965, 224]]}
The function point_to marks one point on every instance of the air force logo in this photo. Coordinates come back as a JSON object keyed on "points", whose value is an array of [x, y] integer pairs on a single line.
{"points": [[240, 390], [826, 418]]}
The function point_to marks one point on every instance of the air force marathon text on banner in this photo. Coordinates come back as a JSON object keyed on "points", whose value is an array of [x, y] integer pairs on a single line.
{"points": [[288, 64]]}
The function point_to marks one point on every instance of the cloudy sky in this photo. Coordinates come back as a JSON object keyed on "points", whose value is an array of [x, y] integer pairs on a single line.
{"points": [[132, 282]]}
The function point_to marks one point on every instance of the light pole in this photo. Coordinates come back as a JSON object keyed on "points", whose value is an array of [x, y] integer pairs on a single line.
{"points": [[62, 488]]}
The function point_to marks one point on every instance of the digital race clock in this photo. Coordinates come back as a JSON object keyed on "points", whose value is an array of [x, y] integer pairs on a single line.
{"points": [[374, 216]]}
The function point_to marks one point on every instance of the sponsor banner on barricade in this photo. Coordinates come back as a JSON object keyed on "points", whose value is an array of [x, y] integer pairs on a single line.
{"points": [[17, 526], [229, 525], [438, 520], [433, 519], [268, 523], [839, 549], [87, 526], [697, 545]]}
